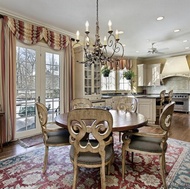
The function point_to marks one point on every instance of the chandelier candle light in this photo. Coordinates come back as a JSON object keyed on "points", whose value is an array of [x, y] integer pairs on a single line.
{"points": [[111, 50]]}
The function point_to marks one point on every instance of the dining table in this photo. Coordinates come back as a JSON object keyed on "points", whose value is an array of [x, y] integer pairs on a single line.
{"points": [[122, 120]]}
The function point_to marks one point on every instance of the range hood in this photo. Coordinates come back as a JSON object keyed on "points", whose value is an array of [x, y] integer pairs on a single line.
{"points": [[176, 66]]}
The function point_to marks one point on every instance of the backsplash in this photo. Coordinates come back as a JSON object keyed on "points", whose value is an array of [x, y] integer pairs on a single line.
{"points": [[178, 84]]}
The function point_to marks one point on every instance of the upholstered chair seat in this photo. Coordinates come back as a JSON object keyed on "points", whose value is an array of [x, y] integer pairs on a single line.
{"points": [[52, 136], [96, 150], [147, 144], [58, 137], [150, 143]]}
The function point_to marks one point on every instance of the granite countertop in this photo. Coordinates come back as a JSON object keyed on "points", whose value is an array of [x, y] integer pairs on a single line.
{"points": [[147, 96], [152, 96]]}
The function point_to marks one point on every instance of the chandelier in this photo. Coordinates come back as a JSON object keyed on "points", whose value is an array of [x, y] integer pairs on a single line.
{"points": [[111, 50]]}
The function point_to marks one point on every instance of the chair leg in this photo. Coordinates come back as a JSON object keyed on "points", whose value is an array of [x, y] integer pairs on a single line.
{"points": [[132, 156], [162, 170], [75, 168], [103, 177], [123, 161], [119, 136], [45, 158]]}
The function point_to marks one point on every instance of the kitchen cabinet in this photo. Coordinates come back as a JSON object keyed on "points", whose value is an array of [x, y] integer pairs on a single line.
{"points": [[87, 77], [148, 74], [147, 107], [153, 75], [141, 71]]}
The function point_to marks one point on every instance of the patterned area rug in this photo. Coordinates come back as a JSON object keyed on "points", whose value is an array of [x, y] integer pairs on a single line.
{"points": [[31, 141], [25, 171]]}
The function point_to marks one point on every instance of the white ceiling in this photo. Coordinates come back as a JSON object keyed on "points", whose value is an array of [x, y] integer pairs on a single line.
{"points": [[137, 18]]}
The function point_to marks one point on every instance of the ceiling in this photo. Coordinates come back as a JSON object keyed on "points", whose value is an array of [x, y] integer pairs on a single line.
{"points": [[137, 19]]}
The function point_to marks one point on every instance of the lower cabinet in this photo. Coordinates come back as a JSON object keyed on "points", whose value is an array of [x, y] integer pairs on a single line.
{"points": [[147, 107]]}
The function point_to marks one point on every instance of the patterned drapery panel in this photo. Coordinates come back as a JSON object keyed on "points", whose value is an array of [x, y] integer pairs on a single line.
{"points": [[31, 34], [121, 64], [23, 31], [55, 40]]}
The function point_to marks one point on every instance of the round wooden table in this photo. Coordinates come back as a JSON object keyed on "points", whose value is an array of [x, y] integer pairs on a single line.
{"points": [[122, 121]]}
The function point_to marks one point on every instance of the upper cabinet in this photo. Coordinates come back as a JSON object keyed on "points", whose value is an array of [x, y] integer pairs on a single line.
{"points": [[87, 77], [153, 75], [148, 74], [141, 72]]}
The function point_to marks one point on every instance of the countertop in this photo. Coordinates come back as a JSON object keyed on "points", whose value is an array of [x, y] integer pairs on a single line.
{"points": [[150, 96]]}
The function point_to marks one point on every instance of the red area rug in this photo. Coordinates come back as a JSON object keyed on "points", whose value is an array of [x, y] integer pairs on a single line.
{"points": [[31, 141], [25, 171]]}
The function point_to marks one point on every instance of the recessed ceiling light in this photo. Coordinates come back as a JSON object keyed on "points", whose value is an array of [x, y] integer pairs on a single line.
{"points": [[160, 18], [137, 51], [185, 40], [176, 30], [186, 48]]}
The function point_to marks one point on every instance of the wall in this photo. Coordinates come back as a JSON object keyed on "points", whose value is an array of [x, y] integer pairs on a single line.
{"points": [[178, 84]]}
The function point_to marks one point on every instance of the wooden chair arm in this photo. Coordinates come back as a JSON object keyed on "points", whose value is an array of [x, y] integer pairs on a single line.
{"points": [[155, 135]]}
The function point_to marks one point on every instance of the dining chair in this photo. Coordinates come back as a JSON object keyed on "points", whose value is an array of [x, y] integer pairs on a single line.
{"points": [[95, 151], [53, 137], [80, 103], [150, 143], [125, 104], [170, 96], [160, 103]]}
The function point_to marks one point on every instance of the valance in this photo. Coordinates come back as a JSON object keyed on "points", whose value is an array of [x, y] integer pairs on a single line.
{"points": [[121, 64], [32, 34]]}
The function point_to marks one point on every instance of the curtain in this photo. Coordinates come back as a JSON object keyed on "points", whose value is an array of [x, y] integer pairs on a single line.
{"points": [[68, 82], [12, 29], [8, 78], [31, 34]]}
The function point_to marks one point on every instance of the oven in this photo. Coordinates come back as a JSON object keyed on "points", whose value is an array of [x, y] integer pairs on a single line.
{"points": [[181, 102]]}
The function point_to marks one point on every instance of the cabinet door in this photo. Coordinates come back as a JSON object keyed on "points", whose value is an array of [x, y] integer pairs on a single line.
{"points": [[87, 78], [96, 79], [153, 75], [147, 107], [141, 69]]}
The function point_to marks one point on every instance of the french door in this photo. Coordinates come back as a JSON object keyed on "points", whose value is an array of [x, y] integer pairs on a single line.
{"points": [[38, 79]]}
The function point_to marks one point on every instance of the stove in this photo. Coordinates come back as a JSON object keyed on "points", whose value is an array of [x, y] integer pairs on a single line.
{"points": [[181, 102]]}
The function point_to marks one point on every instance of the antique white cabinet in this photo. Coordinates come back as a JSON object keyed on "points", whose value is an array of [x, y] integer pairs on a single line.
{"points": [[87, 78], [141, 71], [148, 74], [153, 75], [147, 107]]}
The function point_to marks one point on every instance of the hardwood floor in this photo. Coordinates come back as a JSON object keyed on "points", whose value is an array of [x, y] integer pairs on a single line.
{"points": [[180, 130]]}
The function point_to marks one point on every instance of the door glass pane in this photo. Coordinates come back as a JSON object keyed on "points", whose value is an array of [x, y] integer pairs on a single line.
{"points": [[52, 85], [25, 99]]}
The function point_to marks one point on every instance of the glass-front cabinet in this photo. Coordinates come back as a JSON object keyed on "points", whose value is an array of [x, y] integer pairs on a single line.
{"points": [[87, 78]]}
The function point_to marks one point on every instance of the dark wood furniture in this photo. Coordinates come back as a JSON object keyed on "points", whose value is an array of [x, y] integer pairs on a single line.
{"points": [[2, 116], [122, 121]]}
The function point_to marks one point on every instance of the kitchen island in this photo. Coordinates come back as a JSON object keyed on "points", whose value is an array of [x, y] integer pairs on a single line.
{"points": [[147, 106]]}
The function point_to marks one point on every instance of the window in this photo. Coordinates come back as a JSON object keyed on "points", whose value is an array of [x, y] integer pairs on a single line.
{"points": [[115, 81]]}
